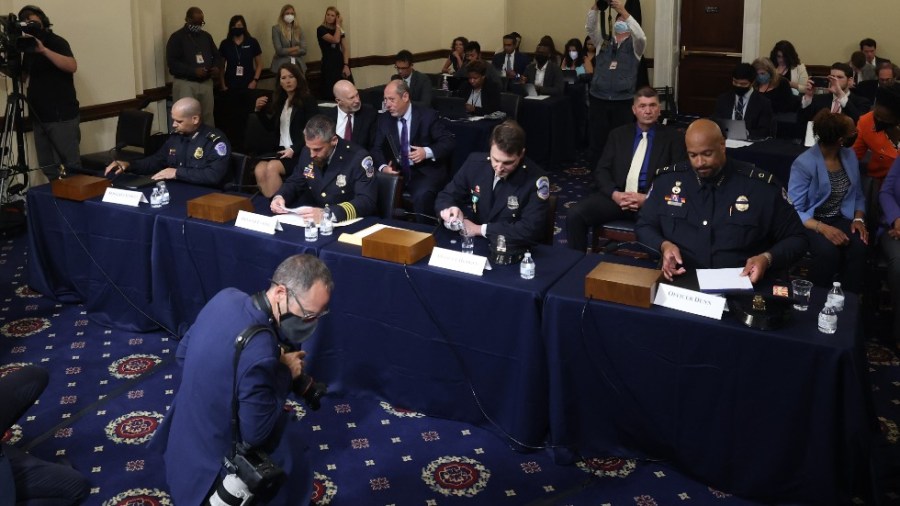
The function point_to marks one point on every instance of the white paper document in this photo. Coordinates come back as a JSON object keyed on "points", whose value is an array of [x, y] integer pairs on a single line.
{"points": [[537, 97], [723, 279], [734, 143], [356, 238]]}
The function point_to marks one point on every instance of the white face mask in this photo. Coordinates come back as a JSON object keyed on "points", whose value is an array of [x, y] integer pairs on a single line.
{"points": [[573, 55], [289, 18]]}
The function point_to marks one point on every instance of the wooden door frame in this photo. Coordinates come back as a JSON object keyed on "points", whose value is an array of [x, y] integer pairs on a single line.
{"points": [[666, 39]]}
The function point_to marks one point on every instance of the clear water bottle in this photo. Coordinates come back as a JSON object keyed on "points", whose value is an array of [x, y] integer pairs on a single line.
{"points": [[444, 85], [163, 192], [156, 198], [836, 297], [526, 268], [312, 232], [828, 319], [327, 225]]}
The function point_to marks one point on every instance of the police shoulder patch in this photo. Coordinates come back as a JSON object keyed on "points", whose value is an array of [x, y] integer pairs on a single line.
{"points": [[221, 149], [369, 166], [543, 187]]}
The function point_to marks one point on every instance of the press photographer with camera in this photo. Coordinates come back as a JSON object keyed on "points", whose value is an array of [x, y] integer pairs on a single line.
{"points": [[49, 67], [240, 360]]}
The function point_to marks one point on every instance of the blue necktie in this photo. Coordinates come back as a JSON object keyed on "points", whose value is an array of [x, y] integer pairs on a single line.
{"points": [[404, 148]]}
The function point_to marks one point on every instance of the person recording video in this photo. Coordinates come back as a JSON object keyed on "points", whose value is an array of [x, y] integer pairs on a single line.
{"points": [[49, 67], [197, 432]]}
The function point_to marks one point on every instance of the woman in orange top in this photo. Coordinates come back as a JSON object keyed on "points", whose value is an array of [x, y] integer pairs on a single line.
{"points": [[878, 133]]}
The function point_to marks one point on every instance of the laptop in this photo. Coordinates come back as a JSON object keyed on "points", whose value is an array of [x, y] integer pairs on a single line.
{"points": [[130, 181], [734, 129], [450, 107], [570, 76]]}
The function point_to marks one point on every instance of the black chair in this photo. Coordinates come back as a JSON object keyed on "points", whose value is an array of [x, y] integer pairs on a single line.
{"points": [[615, 233], [388, 194], [667, 99], [509, 103], [132, 131], [550, 223], [238, 178], [373, 96]]}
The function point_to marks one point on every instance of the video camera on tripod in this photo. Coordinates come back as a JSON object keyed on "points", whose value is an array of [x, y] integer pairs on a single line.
{"points": [[16, 38]]}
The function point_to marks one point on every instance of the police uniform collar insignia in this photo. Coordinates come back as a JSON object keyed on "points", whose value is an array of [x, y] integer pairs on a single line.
{"points": [[742, 203], [198, 153], [341, 181], [476, 194]]}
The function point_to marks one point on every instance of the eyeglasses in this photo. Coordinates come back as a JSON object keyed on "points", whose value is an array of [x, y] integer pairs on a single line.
{"points": [[306, 316]]}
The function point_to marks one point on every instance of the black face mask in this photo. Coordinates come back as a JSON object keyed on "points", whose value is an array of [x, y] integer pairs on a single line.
{"points": [[850, 141], [540, 59], [740, 91], [881, 126], [237, 31], [294, 330]]}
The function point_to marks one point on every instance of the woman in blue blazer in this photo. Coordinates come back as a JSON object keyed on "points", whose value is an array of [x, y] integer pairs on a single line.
{"points": [[826, 191]]}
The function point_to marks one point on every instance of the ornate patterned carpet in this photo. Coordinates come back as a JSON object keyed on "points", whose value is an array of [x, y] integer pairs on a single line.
{"points": [[109, 389]]}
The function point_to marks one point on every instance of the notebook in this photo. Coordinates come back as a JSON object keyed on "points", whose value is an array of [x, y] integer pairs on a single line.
{"points": [[130, 181]]}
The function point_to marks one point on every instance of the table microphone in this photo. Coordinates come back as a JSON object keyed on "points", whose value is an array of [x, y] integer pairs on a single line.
{"points": [[399, 213]]}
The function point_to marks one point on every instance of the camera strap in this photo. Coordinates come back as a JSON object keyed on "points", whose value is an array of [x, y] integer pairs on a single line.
{"points": [[241, 342]]}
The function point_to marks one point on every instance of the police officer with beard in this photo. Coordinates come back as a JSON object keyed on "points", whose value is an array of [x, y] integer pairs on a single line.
{"points": [[717, 213], [329, 171], [197, 153]]}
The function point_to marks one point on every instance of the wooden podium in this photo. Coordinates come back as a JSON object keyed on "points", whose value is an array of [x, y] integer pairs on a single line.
{"points": [[218, 207], [397, 245], [624, 284], [79, 187]]}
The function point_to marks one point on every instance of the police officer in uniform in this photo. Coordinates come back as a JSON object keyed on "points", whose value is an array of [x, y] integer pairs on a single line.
{"points": [[329, 171], [502, 193], [199, 154], [718, 213]]}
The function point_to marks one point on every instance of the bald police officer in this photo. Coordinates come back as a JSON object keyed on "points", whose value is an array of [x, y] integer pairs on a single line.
{"points": [[716, 212], [329, 171], [502, 193], [194, 153]]}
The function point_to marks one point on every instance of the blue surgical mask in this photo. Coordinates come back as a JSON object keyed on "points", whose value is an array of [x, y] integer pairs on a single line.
{"points": [[620, 27], [763, 78]]}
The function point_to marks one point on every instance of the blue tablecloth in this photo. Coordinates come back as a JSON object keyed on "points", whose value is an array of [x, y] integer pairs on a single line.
{"points": [[781, 415], [439, 342]]}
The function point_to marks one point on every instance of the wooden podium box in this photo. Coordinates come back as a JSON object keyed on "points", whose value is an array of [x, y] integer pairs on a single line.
{"points": [[397, 245], [624, 284], [218, 207], [79, 187]]}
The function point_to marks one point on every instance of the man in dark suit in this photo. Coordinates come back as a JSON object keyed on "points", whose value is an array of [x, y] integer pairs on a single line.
{"points": [[473, 52], [868, 46], [544, 73], [354, 121], [838, 99], [410, 140], [510, 62], [744, 103], [626, 168], [419, 84]]}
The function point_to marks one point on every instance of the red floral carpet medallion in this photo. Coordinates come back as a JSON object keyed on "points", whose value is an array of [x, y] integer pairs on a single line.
{"points": [[459, 476], [400, 412], [12, 435], [295, 409], [609, 466], [324, 490], [879, 355], [8, 368], [889, 429], [140, 497], [24, 327], [133, 365], [26, 292], [134, 428]]}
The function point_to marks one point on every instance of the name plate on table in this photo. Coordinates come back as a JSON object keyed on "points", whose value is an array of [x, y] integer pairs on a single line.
{"points": [[79, 187], [257, 222], [218, 207], [457, 261], [397, 245], [624, 284], [124, 197], [689, 301]]}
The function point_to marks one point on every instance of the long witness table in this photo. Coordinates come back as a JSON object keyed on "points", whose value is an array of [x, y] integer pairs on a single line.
{"points": [[431, 340], [779, 416]]}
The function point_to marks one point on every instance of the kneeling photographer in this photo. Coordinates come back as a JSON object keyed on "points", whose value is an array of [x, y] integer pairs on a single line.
{"points": [[222, 437]]}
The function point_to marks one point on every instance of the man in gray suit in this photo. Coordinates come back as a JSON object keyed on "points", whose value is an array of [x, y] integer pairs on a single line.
{"points": [[419, 84]]}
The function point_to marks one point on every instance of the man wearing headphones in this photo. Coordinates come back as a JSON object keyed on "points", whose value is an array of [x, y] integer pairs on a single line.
{"points": [[197, 433], [52, 104]]}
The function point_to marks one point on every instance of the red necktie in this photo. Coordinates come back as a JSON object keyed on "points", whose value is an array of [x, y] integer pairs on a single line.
{"points": [[348, 130]]}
